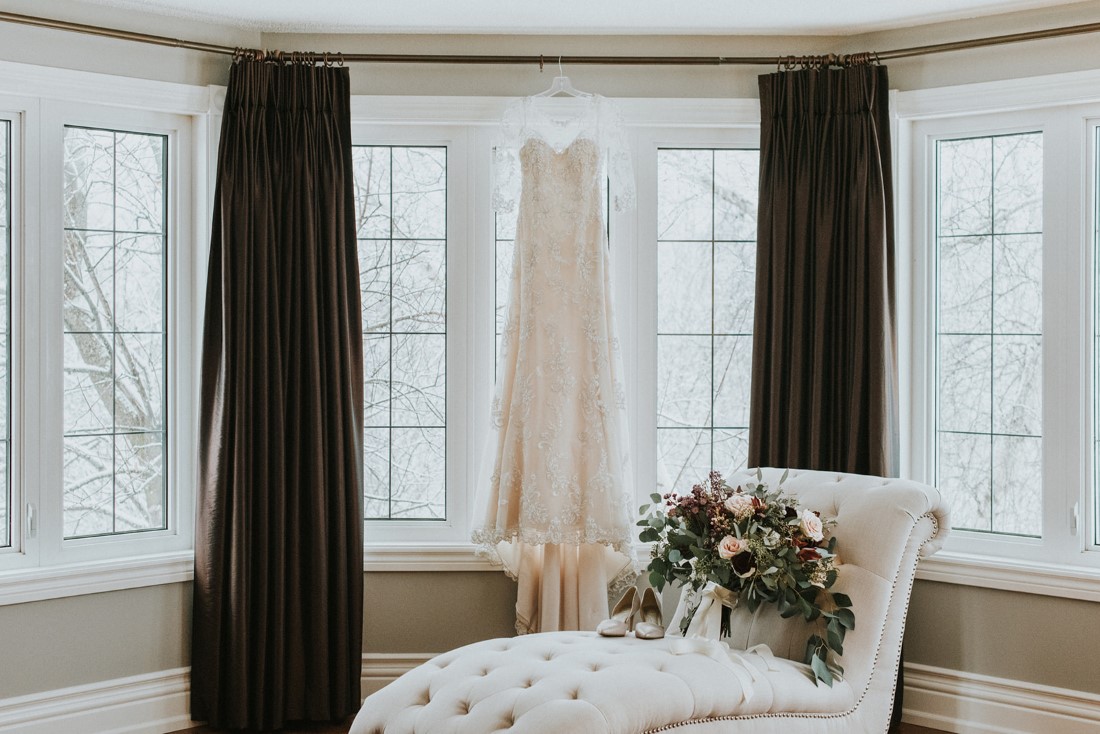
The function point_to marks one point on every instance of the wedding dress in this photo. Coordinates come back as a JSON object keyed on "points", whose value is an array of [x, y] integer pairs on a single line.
{"points": [[553, 505]]}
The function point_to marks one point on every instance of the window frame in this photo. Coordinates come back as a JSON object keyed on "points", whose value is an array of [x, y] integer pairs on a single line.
{"points": [[41, 564], [15, 111], [398, 533], [641, 326], [1060, 562]]}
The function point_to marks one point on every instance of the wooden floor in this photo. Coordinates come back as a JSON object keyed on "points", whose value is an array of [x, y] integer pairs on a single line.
{"points": [[342, 729]]}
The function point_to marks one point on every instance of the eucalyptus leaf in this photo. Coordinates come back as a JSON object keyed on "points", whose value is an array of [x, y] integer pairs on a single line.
{"points": [[842, 600], [821, 671], [836, 643], [846, 618]]}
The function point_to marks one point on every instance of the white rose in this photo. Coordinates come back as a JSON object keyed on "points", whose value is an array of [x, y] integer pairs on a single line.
{"points": [[810, 525], [740, 506], [730, 546]]}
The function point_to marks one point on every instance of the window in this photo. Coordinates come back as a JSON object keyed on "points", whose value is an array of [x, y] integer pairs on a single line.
{"points": [[401, 195], [706, 255], [105, 360], [5, 334], [114, 316], [999, 359], [423, 201], [989, 331]]}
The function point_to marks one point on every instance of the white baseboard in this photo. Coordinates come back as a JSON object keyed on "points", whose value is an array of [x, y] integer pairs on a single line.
{"points": [[968, 703], [154, 703], [380, 668], [954, 701]]}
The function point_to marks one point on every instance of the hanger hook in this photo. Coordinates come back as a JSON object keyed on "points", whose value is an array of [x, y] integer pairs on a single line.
{"points": [[540, 63], [560, 72]]}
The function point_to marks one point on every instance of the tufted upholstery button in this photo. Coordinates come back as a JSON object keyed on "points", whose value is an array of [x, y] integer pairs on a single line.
{"points": [[594, 667], [575, 694]]}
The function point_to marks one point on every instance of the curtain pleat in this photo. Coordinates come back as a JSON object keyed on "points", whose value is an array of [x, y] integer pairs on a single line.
{"points": [[824, 371], [278, 600]]}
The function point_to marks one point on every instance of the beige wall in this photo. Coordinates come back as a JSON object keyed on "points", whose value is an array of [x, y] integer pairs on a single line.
{"points": [[58, 643], [82, 639], [1041, 639], [46, 47]]}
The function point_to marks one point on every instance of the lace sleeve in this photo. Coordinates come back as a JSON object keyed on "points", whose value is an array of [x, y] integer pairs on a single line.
{"points": [[620, 167], [506, 170]]}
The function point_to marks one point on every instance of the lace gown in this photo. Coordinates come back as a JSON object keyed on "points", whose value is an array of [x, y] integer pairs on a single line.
{"points": [[554, 508]]}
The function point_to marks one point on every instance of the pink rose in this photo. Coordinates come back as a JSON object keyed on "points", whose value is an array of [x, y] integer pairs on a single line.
{"points": [[810, 525], [730, 546], [740, 506]]}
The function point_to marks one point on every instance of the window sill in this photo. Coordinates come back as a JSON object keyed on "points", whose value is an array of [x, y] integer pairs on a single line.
{"points": [[37, 584], [424, 557], [1006, 574]]}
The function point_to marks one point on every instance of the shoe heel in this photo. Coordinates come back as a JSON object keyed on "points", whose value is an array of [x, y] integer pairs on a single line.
{"points": [[622, 616]]}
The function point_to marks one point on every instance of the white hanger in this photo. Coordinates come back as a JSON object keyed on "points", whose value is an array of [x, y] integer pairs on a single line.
{"points": [[562, 85]]}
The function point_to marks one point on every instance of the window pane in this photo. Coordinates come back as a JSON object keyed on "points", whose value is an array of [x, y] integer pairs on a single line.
{"points": [[115, 340], [5, 331], [401, 213], [989, 340], [706, 272]]}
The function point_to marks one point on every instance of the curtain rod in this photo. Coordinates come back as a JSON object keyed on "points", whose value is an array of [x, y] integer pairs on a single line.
{"points": [[900, 53]]}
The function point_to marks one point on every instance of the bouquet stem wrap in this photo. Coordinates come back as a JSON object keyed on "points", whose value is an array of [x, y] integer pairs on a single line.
{"points": [[704, 610]]}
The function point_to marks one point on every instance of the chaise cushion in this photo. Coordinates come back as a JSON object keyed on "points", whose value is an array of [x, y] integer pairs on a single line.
{"points": [[579, 682]]}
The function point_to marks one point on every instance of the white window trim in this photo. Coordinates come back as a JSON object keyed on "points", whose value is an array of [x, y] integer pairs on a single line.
{"points": [[31, 571], [459, 375], [1063, 105]]}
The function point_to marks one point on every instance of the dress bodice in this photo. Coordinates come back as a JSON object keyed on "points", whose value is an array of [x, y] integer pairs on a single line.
{"points": [[584, 134]]}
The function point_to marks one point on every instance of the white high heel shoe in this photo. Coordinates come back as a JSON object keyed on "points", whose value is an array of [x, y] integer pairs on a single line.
{"points": [[622, 616], [649, 624]]}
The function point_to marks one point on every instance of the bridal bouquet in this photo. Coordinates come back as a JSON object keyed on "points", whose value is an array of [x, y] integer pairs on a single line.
{"points": [[757, 544]]}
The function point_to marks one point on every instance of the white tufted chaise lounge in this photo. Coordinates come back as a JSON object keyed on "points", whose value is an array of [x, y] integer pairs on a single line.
{"points": [[580, 683]]}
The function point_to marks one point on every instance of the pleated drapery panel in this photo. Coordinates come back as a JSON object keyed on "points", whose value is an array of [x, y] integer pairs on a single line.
{"points": [[824, 371], [278, 601]]}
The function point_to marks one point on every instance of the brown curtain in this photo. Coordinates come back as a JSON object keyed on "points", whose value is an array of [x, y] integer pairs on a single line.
{"points": [[278, 601], [824, 373], [824, 360]]}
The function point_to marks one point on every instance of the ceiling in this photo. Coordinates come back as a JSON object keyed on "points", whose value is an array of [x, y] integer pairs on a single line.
{"points": [[735, 17]]}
